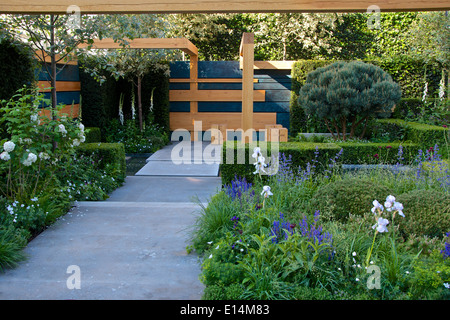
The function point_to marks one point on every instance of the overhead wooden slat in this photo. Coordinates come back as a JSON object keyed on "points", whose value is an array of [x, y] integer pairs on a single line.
{"points": [[147, 43], [210, 80], [44, 86], [213, 95], [275, 65], [216, 6], [232, 120], [71, 110]]}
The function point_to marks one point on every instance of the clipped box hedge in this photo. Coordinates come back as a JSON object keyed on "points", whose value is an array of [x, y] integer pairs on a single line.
{"points": [[301, 153], [424, 135], [111, 155], [375, 153]]}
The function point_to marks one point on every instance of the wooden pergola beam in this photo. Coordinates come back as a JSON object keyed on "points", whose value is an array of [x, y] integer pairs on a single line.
{"points": [[216, 6], [147, 43]]}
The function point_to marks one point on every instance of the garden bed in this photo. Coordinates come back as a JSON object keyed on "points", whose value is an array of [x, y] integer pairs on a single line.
{"points": [[316, 234]]}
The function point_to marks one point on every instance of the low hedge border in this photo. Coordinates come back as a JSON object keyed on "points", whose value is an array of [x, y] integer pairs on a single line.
{"points": [[104, 154], [301, 153], [424, 135], [305, 152], [374, 153]]}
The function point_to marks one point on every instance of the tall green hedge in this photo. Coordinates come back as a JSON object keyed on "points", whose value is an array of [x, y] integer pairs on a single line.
{"points": [[302, 153], [101, 102], [17, 65], [375, 153], [93, 104]]}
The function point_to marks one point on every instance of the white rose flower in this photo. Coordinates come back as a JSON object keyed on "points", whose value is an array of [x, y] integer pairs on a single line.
{"points": [[62, 129], [76, 142], [44, 156], [34, 117], [30, 159], [9, 146], [5, 156]]}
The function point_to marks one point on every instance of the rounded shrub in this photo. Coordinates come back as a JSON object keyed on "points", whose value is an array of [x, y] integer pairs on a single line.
{"points": [[338, 199], [427, 213], [348, 92]]}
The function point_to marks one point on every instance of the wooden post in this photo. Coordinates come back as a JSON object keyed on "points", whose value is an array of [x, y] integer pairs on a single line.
{"points": [[247, 59], [193, 86]]}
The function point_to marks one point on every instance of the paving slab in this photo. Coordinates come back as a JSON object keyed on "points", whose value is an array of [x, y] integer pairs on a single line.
{"points": [[188, 152], [123, 251], [167, 168], [166, 189], [192, 159]]}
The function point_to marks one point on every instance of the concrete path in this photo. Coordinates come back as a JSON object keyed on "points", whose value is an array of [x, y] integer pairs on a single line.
{"points": [[184, 159], [131, 246]]}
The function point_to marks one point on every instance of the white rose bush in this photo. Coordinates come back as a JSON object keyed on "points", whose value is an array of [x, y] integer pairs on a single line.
{"points": [[35, 148]]}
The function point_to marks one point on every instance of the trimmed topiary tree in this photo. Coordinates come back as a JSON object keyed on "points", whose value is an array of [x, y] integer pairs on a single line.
{"points": [[348, 93]]}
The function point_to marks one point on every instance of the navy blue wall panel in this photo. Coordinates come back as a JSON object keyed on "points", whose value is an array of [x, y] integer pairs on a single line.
{"points": [[219, 107], [68, 73], [180, 106], [276, 83], [65, 97]]}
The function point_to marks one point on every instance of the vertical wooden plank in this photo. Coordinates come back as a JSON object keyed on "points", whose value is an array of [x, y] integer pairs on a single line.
{"points": [[247, 54], [193, 76]]}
